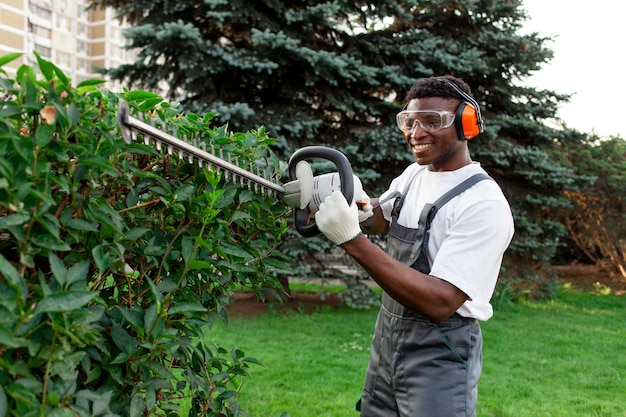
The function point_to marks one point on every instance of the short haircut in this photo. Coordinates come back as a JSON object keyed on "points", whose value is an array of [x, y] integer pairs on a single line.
{"points": [[438, 87]]}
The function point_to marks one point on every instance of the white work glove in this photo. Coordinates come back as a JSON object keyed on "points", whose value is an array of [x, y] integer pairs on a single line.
{"points": [[338, 221], [366, 210]]}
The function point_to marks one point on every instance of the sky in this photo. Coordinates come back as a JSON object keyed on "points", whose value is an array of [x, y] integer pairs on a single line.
{"points": [[588, 60]]}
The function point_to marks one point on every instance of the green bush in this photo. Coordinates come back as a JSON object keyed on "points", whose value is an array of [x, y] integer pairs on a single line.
{"points": [[116, 258]]}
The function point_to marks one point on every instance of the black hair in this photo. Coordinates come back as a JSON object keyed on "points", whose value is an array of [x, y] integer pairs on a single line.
{"points": [[438, 87]]}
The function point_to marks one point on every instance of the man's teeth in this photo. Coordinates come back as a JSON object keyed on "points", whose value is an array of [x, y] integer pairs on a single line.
{"points": [[420, 147]]}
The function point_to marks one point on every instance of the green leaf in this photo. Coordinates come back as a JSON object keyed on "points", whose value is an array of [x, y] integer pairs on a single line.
{"points": [[10, 57], [235, 251], [73, 115], [65, 301], [249, 359], [137, 406], [136, 233], [102, 403], [186, 307], [21, 393], [124, 341], [6, 84], [229, 267], [3, 401], [132, 198], [79, 224], [9, 109], [13, 220], [246, 196], [157, 368], [27, 76], [100, 163], [120, 358], [43, 135], [195, 264], [276, 264], [227, 395], [59, 271], [24, 148], [91, 82], [8, 339], [8, 271], [133, 318], [65, 367], [145, 100], [50, 223], [158, 297], [48, 241], [46, 67], [187, 248], [101, 258], [185, 192], [239, 215], [139, 95], [60, 412], [150, 318], [61, 76], [78, 272]]}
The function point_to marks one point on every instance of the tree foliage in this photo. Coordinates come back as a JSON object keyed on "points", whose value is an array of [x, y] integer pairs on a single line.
{"points": [[335, 73], [114, 257], [596, 221]]}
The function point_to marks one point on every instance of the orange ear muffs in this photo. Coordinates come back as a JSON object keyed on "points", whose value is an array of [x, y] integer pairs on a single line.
{"points": [[466, 121]]}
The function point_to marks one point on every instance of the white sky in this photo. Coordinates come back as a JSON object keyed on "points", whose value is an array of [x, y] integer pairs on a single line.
{"points": [[588, 60]]}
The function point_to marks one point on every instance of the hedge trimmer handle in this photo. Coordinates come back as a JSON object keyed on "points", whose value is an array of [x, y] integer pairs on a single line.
{"points": [[302, 216]]}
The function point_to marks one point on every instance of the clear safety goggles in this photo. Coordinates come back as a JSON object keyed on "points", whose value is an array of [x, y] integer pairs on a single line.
{"points": [[428, 120]]}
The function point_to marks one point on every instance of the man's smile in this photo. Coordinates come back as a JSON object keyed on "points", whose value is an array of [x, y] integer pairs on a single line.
{"points": [[419, 147]]}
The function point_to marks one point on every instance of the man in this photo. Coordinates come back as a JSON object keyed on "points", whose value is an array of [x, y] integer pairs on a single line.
{"points": [[426, 353]]}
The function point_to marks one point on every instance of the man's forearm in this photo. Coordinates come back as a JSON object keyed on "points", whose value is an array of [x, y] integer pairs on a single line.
{"points": [[428, 295]]}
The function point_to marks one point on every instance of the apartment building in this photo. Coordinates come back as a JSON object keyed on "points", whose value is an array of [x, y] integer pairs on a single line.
{"points": [[64, 32]]}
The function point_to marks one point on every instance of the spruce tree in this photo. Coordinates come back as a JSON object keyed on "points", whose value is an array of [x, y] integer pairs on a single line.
{"points": [[335, 73]]}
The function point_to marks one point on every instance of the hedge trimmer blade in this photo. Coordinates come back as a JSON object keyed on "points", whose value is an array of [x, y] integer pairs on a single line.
{"points": [[195, 153], [297, 193]]}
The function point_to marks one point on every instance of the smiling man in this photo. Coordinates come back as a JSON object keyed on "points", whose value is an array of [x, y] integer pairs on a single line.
{"points": [[448, 225]]}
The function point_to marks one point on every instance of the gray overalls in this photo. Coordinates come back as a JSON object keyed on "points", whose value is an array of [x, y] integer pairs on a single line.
{"points": [[418, 368]]}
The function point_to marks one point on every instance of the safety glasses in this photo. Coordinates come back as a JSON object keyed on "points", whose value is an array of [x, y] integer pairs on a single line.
{"points": [[428, 120]]}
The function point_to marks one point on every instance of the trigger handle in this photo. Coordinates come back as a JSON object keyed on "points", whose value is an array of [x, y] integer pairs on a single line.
{"points": [[302, 215]]}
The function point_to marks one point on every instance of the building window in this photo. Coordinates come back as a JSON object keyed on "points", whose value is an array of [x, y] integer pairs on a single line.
{"points": [[64, 59], [41, 12], [44, 51], [39, 31]]}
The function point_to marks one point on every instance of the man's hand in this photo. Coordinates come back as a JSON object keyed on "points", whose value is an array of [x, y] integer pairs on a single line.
{"points": [[338, 221], [366, 210]]}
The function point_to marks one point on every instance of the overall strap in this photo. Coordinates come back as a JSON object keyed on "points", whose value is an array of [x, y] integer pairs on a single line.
{"points": [[430, 210], [428, 214]]}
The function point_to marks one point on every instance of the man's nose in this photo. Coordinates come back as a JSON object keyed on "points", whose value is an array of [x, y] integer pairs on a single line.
{"points": [[415, 131]]}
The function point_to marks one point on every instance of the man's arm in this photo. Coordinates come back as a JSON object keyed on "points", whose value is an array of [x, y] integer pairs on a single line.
{"points": [[433, 297]]}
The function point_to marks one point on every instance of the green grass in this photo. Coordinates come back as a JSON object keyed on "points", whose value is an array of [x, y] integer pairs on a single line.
{"points": [[560, 358]]}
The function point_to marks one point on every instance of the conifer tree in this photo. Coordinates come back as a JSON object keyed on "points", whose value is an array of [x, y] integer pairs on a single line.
{"points": [[335, 73]]}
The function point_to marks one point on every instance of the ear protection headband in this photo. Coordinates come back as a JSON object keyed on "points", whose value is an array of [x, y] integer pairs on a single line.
{"points": [[468, 120]]}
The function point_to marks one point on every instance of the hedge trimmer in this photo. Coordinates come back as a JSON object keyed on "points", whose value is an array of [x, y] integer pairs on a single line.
{"points": [[304, 192]]}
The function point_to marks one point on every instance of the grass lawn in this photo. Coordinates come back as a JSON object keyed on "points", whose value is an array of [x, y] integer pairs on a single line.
{"points": [[565, 357]]}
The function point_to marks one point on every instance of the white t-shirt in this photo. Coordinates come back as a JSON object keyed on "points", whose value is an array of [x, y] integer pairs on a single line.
{"points": [[468, 235]]}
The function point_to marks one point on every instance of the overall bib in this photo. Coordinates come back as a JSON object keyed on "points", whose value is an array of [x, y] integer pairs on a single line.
{"points": [[418, 368]]}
